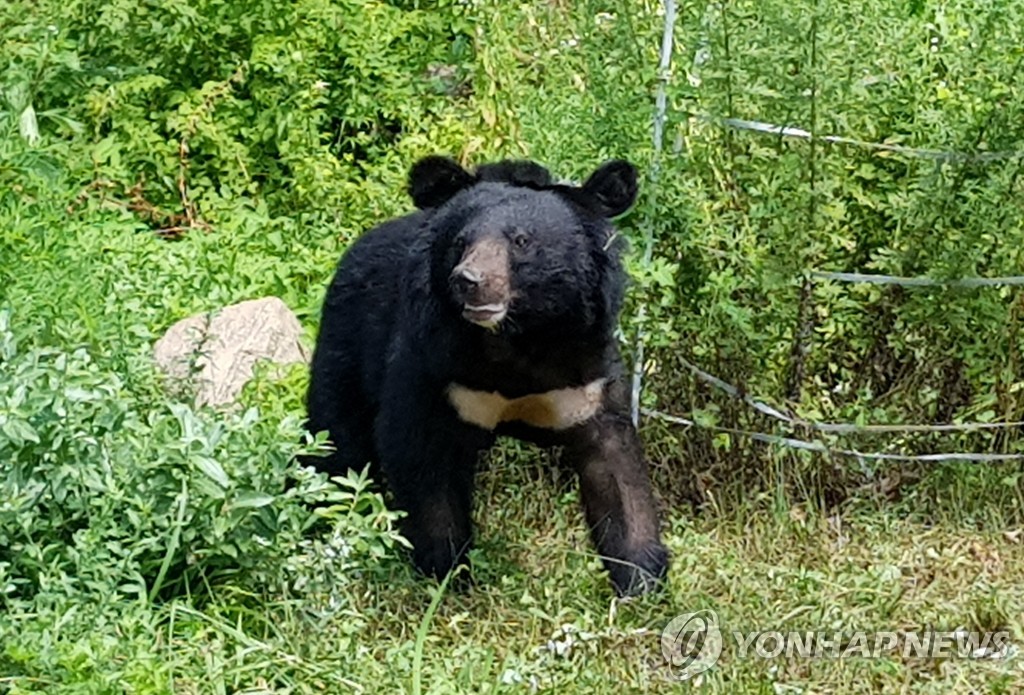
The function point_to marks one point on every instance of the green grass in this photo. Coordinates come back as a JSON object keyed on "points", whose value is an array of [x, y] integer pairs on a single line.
{"points": [[757, 573], [538, 583]]}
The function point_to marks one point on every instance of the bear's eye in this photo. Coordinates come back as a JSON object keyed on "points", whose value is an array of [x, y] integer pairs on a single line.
{"points": [[521, 239]]}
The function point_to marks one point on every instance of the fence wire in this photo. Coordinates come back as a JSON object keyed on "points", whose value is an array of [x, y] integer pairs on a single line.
{"points": [[918, 152], [658, 137], [838, 427], [821, 448], [871, 279]]}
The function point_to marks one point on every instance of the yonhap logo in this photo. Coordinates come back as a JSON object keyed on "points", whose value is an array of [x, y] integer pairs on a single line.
{"points": [[692, 642]]}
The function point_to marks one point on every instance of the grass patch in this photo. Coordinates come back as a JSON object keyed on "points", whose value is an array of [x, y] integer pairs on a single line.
{"points": [[540, 616]]}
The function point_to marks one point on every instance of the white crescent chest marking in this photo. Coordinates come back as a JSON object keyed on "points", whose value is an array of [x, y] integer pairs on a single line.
{"points": [[552, 410]]}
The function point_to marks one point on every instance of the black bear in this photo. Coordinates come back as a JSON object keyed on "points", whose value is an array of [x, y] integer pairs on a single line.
{"points": [[488, 311]]}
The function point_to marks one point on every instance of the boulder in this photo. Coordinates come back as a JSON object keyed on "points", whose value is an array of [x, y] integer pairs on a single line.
{"points": [[214, 354]]}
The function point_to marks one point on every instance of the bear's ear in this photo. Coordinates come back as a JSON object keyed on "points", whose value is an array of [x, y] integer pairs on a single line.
{"points": [[434, 180], [612, 188]]}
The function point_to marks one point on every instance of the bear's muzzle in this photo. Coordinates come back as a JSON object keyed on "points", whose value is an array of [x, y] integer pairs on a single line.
{"points": [[480, 282]]}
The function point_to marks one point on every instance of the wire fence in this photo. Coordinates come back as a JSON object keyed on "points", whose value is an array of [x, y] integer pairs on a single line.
{"points": [[836, 428], [821, 448], [918, 152], [869, 279], [658, 137], [701, 56]]}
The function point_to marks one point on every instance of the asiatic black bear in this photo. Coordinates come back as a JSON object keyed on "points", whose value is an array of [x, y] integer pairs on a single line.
{"points": [[489, 311]]}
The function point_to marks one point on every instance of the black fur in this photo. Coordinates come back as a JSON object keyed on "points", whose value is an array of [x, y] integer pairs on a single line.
{"points": [[392, 340]]}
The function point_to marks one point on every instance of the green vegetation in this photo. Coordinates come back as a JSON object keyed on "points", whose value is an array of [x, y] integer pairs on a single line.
{"points": [[163, 158]]}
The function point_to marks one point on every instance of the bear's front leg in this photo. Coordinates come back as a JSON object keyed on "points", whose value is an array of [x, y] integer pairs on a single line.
{"points": [[618, 501], [428, 457], [438, 521]]}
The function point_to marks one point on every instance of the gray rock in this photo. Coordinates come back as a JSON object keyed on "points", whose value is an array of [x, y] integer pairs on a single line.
{"points": [[214, 354]]}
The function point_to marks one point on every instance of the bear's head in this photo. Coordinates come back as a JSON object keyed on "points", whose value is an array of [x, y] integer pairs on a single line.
{"points": [[512, 251]]}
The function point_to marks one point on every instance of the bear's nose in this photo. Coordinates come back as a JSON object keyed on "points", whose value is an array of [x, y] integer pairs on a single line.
{"points": [[464, 280]]}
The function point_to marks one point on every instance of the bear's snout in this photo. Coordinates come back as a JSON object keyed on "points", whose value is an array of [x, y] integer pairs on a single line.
{"points": [[465, 282], [480, 282]]}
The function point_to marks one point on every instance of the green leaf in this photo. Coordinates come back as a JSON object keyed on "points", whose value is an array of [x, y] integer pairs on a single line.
{"points": [[213, 470], [28, 126], [19, 431], [252, 500]]}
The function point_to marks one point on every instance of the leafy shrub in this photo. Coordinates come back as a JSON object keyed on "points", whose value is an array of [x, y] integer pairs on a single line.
{"points": [[238, 101], [105, 493]]}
